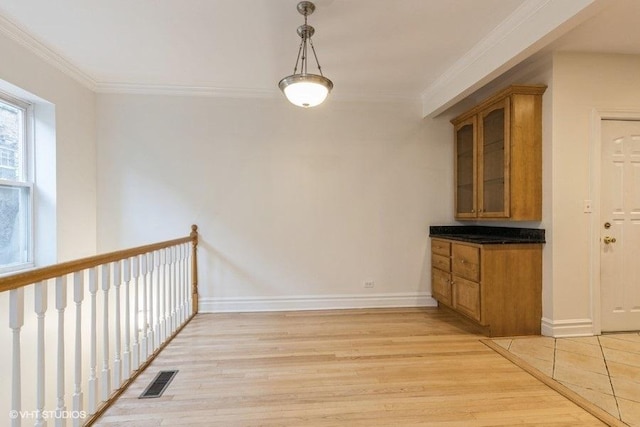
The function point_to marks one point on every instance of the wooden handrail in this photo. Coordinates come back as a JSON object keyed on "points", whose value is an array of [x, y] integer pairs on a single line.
{"points": [[21, 279]]}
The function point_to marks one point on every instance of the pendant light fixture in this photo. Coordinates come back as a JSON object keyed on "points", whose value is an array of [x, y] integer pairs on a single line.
{"points": [[303, 88]]}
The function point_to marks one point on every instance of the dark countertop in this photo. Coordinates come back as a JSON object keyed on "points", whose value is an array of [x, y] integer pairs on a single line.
{"points": [[487, 235]]}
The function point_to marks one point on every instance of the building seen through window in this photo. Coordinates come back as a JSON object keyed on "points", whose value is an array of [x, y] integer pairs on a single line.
{"points": [[15, 186]]}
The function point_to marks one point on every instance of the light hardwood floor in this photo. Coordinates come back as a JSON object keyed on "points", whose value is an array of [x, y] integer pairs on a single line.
{"points": [[399, 367]]}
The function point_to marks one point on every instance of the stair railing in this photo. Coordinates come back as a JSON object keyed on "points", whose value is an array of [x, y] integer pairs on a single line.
{"points": [[113, 314]]}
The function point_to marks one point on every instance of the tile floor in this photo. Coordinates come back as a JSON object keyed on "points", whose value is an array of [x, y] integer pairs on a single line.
{"points": [[603, 369]]}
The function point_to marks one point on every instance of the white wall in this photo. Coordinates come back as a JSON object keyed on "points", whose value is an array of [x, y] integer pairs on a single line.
{"points": [[582, 83], [296, 208], [75, 150]]}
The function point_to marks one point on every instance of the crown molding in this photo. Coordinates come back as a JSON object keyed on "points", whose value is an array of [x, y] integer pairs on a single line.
{"points": [[183, 90], [22, 37], [16, 33], [219, 92], [514, 39], [494, 38]]}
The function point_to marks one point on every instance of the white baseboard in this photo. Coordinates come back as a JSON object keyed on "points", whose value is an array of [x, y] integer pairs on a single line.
{"points": [[567, 328], [314, 302]]}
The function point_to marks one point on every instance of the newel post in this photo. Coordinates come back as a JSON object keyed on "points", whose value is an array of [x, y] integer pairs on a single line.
{"points": [[194, 268]]}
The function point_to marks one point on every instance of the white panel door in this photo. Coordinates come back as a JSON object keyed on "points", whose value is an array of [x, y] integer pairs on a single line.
{"points": [[620, 228]]}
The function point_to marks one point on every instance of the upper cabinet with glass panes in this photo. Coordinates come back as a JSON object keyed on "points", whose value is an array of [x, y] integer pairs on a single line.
{"points": [[498, 157]]}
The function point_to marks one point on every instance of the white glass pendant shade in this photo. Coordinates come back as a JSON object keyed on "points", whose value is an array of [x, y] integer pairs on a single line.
{"points": [[306, 90]]}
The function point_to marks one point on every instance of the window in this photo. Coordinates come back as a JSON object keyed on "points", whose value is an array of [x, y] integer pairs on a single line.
{"points": [[16, 185]]}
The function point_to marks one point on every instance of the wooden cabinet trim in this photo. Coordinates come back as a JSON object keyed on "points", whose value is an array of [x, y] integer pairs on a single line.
{"points": [[513, 89]]}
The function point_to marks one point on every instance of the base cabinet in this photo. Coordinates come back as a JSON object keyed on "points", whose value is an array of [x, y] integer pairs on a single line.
{"points": [[466, 297], [498, 286], [441, 286]]}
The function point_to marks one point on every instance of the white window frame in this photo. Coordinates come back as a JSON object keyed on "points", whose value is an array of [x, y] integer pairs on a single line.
{"points": [[27, 168]]}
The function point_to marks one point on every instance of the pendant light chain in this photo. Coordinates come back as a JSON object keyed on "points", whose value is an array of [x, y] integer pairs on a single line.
{"points": [[305, 35], [295, 69], [313, 49]]}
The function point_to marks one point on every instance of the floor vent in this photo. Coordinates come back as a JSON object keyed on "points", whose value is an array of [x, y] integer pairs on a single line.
{"points": [[158, 385]]}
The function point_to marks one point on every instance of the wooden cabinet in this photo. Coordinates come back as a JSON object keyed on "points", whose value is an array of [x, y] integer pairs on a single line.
{"points": [[498, 157], [441, 271], [498, 286]]}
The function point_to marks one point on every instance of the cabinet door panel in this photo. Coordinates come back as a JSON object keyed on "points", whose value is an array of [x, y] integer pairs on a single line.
{"points": [[466, 297], [441, 286], [441, 262], [465, 261], [493, 158], [440, 247], [465, 165]]}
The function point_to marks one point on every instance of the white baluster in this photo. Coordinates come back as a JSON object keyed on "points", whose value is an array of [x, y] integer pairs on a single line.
{"points": [[183, 295], [16, 321], [78, 296], [189, 280], [172, 294], [135, 351], [160, 266], [126, 355], [61, 305], [179, 288], [117, 361], [151, 321], [40, 307], [185, 281], [156, 322], [144, 347], [106, 371], [168, 285], [93, 368]]}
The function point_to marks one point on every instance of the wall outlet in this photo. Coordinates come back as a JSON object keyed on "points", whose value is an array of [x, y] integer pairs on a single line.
{"points": [[369, 284]]}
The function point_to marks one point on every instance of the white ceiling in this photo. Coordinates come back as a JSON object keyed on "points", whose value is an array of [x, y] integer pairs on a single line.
{"points": [[369, 48]]}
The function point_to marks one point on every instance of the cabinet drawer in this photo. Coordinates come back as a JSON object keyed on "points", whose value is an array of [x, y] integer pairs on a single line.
{"points": [[465, 261], [441, 286], [466, 297], [440, 247], [441, 262]]}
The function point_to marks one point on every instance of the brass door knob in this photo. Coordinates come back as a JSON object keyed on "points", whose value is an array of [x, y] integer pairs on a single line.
{"points": [[608, 239]]}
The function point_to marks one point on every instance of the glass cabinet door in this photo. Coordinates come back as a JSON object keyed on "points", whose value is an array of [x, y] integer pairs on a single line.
{"points": [[493, 161], [465, 174]]}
